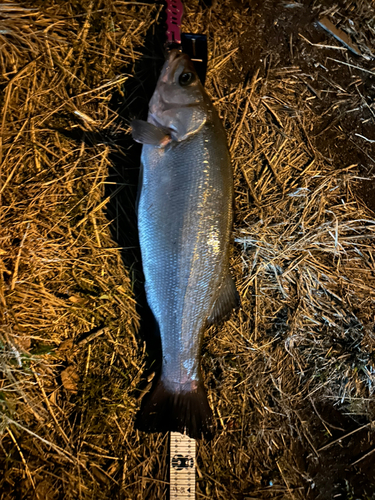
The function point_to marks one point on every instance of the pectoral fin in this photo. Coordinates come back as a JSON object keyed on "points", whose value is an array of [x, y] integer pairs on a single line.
{"points": [[227, 300], [147, 133]]}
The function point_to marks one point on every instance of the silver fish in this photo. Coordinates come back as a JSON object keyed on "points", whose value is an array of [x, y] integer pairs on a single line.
{"points": [[185, 213]]}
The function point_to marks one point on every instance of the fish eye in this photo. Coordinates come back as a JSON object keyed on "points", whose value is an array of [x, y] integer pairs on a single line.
{"points": [[186, 79]]}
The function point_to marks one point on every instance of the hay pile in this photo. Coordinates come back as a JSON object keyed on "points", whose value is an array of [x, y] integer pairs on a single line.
{"points": [[300, 350]]}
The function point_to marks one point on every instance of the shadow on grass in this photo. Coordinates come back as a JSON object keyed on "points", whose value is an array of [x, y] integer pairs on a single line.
{"points": [[130, 102]]}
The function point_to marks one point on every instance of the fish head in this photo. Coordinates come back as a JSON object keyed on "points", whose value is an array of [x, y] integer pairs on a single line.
{"points": [[178, 82], [179, 103]]}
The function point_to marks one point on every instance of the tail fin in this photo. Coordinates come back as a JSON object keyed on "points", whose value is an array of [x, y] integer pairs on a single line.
{"points": [[164, 409]]}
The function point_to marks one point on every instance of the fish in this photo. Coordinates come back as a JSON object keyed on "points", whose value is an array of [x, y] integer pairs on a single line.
{"points": [[185, 217]]}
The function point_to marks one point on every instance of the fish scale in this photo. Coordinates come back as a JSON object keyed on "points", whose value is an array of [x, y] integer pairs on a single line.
{"points": [[177, 215]]}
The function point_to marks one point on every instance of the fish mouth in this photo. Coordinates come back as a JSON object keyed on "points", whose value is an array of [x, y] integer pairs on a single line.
{"points": [[173, 54], [175, 57]]}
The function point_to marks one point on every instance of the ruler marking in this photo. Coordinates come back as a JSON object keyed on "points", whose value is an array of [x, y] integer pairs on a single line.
{"points": [[182, 467]]}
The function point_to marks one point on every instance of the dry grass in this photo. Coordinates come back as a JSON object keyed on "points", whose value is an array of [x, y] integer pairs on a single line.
{"points": [[71, 356]]}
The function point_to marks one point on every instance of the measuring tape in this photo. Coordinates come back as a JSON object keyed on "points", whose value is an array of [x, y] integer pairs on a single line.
{"points": [[182, 467]]}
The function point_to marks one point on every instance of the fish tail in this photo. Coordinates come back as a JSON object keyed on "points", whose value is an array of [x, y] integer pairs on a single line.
{"points": [[185, 409]]}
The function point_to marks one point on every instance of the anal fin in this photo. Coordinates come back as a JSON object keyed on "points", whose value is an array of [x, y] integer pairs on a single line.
{"points": [[227, 300]]}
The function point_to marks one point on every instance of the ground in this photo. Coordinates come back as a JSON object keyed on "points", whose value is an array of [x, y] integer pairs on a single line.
{"points": [[290, 376]]}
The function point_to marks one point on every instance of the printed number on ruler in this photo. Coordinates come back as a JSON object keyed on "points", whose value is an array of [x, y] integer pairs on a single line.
{"points": [[182, 467]]}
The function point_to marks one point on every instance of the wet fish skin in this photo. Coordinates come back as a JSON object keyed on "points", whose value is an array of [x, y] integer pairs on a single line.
{"points": [[184, 220]]}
